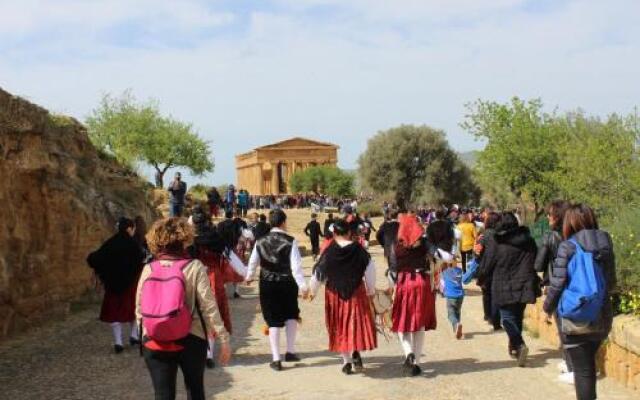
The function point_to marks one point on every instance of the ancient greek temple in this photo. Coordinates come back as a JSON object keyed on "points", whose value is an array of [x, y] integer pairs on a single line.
{"points": [[267, 169]]}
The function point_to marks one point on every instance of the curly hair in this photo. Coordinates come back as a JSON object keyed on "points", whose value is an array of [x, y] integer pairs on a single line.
{"points": [[170, 235]]}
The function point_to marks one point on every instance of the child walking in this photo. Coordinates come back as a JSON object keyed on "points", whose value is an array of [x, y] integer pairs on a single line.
{"points": [[454, 293]]}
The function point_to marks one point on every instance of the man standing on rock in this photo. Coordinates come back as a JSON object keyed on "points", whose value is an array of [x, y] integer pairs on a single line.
{"points": [[178, 190]]}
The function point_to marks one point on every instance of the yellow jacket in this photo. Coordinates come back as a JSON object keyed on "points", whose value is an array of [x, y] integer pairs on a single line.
{"points": [[468, 238]]}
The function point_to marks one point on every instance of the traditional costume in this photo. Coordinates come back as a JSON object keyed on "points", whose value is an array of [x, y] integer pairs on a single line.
{"points": [[349, 274], [223, 266], [414, 303], [118, 264], [281, 277]]}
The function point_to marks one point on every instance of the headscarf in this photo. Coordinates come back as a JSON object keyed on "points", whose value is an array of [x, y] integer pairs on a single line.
{"points": [[409, 230]]}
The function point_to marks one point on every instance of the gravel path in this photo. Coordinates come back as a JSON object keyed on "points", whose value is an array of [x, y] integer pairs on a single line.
{"points": [[72, 359]]}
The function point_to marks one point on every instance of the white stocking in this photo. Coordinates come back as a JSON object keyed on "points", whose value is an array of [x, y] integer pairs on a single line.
{"points": [[406, 342], [418, 344], [211, 349], [134, 331], [116, 329], [274, 342], [291, 328], [346, 358]]}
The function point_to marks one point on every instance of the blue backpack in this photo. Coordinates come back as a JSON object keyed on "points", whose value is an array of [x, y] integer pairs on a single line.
{"points": [[583, 298]]}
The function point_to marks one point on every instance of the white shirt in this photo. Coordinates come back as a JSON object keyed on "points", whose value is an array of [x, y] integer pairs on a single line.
{"points": [[295, 259], [237, 264], [369, 274]]}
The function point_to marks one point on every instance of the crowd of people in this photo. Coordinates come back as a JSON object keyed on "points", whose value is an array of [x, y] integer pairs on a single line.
{"points": [[169, 284]]}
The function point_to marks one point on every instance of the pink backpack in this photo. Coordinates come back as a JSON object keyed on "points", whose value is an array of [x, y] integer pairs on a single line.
{"points": [[165, 314]]}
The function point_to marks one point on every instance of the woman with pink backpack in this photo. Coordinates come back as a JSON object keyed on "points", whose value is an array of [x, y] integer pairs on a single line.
{"points": [[177, 312]]}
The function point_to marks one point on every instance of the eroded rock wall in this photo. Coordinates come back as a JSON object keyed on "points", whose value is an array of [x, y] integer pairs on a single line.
{"points": [[58, 201]]}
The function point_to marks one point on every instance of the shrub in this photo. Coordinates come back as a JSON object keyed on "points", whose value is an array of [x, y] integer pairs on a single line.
{"points": [[625, 232], [198, 192], [370, 207]]}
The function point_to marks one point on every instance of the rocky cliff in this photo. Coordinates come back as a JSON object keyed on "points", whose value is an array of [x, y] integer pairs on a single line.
{"points": [[59, 199]]}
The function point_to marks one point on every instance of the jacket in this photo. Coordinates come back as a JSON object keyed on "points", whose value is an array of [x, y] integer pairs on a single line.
{"points": [[547, 254], [592, 241], [508, 258], [198, 287]]}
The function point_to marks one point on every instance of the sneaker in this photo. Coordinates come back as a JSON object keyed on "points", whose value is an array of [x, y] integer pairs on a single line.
{"points": [[210, 363], [291, 357], [358, 365], [276, 365], [562, 367], [566, 377], [521, 354], [459, 331], [347, 369], [118, 348]]}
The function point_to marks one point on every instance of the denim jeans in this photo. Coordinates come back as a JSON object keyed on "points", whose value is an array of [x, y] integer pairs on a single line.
{"points": [[163, 368], [175, 210], [512, 316], [454, 309], [583, 358]]}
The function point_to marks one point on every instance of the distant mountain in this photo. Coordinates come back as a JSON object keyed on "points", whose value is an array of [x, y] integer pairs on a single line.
{"points": [[469, 157]]}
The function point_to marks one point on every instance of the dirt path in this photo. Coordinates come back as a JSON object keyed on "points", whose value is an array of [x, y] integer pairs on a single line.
{"points": [[72, 360]]}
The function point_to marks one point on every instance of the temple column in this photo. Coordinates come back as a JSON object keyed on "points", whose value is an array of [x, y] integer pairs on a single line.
{"points": [[275, 183]]}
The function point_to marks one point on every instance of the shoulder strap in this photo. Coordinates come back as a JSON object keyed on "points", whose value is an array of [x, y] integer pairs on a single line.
{"points": [[578, 247]]}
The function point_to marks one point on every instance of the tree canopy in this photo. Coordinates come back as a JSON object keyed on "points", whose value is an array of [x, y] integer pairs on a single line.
{"points": [[539, 156], [137, 132], [415, 163], [323, 179]]}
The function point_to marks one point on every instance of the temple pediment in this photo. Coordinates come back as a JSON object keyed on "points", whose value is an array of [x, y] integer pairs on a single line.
{"points": [[297, 142]]}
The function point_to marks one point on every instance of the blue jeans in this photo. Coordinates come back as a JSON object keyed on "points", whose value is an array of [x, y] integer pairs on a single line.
{"points": [[454, 309], [175, 210], [512, 316]]}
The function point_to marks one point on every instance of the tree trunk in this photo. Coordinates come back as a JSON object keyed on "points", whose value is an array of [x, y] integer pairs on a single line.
{"points": [[159, 179]]}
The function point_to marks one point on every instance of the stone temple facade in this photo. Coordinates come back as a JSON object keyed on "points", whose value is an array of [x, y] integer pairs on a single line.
{"points": [[266, 170]]}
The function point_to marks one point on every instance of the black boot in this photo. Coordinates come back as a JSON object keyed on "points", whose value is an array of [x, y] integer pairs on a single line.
{"points": [[358, 365], [133, 341], [291, 357], [118, 348], [276, 365], [210, 363], [347, 369], [408, 364]]}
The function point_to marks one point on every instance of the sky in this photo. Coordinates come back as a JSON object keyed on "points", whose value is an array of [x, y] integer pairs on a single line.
{"points": [[249, 73]]}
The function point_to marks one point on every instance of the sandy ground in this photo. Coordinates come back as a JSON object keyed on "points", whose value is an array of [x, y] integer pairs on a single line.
{"points": [[72, 359]]}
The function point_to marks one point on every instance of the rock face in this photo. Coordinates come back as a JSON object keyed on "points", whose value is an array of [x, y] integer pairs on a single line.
{"points": [[59, 200]]}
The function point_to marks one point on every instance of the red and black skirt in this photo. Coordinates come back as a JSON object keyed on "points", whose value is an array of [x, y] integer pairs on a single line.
{"points": [[414, 306], [119, 307], [350, 323]]}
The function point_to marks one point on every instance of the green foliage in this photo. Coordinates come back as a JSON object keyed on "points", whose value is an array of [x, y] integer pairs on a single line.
{"points": [[134, 132], [61, 120], [371, 208], [599, 161], [520, 152], [198, 192], [416, 164], [323, 179], [625, 233]]}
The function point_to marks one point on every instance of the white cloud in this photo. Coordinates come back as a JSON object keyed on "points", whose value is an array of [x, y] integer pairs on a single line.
{"points": [[339, 77]]}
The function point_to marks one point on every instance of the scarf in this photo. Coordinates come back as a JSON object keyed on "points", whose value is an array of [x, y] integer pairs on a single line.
{"points": [[342, 268], [409, 230]]}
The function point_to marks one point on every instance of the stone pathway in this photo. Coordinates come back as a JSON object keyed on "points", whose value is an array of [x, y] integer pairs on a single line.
{"points": [[72, 359]]}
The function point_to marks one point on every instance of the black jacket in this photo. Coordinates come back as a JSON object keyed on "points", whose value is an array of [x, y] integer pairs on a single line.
{"points": [[508, 258], [313, 231], [546, 254], [327, 225], [592, 241]]}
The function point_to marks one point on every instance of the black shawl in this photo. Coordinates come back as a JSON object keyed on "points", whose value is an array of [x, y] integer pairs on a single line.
{"points": [[117, 263], [342, 268]]}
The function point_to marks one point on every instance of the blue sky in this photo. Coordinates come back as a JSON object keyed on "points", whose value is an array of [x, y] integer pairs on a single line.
{"points": [[248, 73]]}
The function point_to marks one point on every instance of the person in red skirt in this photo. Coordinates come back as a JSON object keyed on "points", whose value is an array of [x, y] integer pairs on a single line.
{"points": [[117, 264], [349, 274], [414, 309], [223, 266]]}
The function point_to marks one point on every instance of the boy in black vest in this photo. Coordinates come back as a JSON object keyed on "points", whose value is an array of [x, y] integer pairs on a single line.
{"points": [[281, 279], [314, 232]]}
